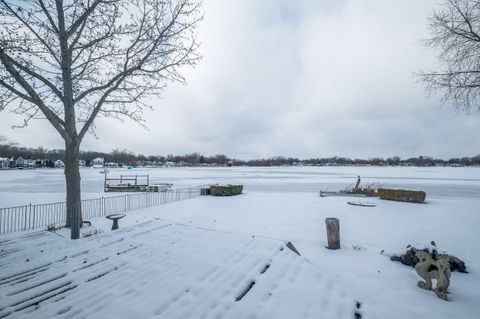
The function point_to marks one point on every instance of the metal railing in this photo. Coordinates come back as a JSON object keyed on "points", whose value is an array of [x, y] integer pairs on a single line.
{"points": [[27, 217]]}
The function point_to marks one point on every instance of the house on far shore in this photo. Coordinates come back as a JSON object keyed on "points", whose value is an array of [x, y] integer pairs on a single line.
{"points": [[29, 163], [82, 163], [59, 164], [4, 162], [98, 162], [12, 163], [44, 163], [20, 162], [111, 165]]}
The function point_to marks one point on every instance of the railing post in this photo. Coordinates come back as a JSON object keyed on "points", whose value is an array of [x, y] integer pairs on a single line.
{"points": [[33, 219], [29, 214], [14, 224]]}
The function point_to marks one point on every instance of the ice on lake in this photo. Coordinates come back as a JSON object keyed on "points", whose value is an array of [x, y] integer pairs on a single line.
{"points": [[446, 182]]}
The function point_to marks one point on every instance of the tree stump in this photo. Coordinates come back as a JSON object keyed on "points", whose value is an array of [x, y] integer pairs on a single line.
{"points": [[333, 232]]}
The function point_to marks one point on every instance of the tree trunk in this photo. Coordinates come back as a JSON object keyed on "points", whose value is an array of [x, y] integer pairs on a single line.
{"points": [[72, 178]]}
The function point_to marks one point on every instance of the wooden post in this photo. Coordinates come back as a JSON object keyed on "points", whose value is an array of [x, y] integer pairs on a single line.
{"points": [[333, 232], [357, 185]]}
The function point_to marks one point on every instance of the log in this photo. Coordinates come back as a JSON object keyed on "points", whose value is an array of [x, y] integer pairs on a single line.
{"points": [[402, 195], [333, 233]]}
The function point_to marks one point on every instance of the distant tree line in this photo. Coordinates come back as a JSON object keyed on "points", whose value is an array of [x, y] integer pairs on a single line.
{"points": [[9, 150]]}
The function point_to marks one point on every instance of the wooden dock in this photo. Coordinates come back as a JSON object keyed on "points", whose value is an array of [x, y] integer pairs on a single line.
{"points": [[133, 183]]}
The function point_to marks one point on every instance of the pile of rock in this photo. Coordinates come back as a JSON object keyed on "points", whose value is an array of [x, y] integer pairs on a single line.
{"points": [[410, 259]]}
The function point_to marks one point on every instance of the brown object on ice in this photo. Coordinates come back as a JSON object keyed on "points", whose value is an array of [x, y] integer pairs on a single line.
{"points": [[402, 195], [226, 190]]}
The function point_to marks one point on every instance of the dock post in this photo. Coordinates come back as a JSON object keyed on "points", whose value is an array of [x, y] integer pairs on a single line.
{"points": [[333, 232]]}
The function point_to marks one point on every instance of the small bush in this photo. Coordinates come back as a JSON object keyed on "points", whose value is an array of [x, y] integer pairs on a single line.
{"points": [[357, 247]]}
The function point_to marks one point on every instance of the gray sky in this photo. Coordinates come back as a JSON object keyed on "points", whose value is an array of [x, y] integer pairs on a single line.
{"points": [[306, 78]]}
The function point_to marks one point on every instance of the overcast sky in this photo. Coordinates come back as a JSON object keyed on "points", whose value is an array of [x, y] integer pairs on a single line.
{"points": [[304, 78]]}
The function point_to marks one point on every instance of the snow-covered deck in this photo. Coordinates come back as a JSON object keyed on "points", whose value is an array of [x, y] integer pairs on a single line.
{"points": [[164, 270]]}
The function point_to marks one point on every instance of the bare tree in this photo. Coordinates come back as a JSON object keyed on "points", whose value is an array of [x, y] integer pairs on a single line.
{"points": [[73, 61], [455, 36]]}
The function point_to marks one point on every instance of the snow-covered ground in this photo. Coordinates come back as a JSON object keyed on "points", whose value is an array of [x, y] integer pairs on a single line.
{"points": [[279, 205]]}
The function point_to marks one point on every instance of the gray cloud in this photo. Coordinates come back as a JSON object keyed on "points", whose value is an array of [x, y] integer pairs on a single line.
{"points": [[296, 78]]}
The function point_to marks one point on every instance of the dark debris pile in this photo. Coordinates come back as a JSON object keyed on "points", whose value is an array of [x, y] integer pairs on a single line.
{"points": [[409, 258]]}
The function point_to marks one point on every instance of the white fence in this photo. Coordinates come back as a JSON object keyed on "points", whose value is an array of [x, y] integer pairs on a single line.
{"points": [[27, 217]]}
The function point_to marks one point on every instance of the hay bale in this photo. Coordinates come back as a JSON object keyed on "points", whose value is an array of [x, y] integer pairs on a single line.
{"points": [[402, 195], [226, 190]]}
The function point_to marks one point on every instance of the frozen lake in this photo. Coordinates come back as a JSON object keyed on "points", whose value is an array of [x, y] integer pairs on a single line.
{"points": [[45, 185]]}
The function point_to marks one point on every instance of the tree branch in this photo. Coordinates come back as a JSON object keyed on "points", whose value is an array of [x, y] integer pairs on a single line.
{"points": [[97, 109], [30, 71], [16, 92], [57, 123], [85, 15], [35, 33], [49, 17]]}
